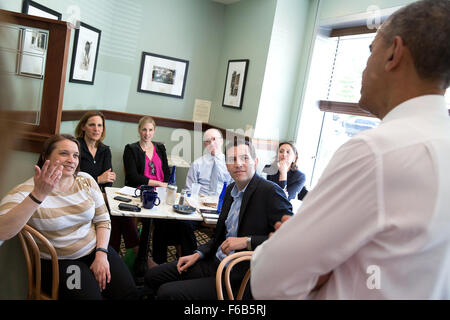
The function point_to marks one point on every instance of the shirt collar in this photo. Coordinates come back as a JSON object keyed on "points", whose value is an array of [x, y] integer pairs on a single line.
{"points": [[419, 106], [235, 193]]}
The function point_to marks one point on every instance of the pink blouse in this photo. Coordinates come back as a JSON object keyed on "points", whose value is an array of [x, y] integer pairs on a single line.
{"points": [[159, 174]]}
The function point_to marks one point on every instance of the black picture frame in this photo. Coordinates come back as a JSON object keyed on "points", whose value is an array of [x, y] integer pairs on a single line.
{"points": [[235, 80], [85, 47], [36, 9], [163, 75]]}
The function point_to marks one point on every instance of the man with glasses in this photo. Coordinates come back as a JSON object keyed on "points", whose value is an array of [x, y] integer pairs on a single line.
{"points": [[209, 170]]}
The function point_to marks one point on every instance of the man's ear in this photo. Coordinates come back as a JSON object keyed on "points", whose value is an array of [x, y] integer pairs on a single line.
{"points": [[256, 163], [396, 51]]}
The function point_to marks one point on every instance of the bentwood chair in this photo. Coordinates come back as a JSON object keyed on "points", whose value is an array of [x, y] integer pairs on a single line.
{"points": [[228, 263], [28, 237]]}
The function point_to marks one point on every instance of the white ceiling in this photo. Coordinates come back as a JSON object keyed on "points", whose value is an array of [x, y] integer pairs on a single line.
{"points": [[226, 1]]}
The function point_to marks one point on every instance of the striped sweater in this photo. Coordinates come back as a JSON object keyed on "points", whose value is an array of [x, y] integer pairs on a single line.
{"points": [[67, 219]]}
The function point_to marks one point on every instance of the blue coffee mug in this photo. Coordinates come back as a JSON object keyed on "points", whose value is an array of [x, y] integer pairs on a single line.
{"points": [[149, 199], [141, 190]]}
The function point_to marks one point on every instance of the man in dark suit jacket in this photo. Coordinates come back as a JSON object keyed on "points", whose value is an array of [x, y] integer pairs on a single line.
{"points": [[251, 207]]}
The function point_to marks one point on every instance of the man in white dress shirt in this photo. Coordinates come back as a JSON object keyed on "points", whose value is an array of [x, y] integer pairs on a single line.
{"points": [[377, 224], [209, 170]]}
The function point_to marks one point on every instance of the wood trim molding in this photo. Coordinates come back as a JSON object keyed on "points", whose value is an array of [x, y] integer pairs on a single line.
{"points": [[343, 107], [350, 31], [75, 115], [31, 141]]}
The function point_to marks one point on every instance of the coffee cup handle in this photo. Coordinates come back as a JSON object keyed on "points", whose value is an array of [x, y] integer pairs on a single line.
{"points": [[136, 190], [159, 201]]}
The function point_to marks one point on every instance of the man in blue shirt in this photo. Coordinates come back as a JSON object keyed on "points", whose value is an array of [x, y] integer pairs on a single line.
{"points": [[251, 207], [209, 170]]}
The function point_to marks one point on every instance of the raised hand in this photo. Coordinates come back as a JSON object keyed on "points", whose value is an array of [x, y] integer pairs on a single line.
{"points": [[46, 179], [283, 166]]}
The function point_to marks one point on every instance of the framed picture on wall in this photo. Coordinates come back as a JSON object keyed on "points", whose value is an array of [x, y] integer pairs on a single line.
{"points": [[36, 9], [233, 93], [162, 75], [85, 53]]}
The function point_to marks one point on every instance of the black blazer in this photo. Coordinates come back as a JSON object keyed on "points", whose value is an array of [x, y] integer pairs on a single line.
{"points": [[134, 164], [263, 204], [95, 166], [295, 181]]}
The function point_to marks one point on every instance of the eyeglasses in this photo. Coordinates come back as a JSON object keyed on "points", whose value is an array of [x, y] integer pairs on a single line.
{"points": [[211, 139], [152, 167]]}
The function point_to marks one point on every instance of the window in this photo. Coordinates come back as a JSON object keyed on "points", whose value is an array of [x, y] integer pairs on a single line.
{"points": [[330, 114], [334, 86], [337, 129], [351, 57]]}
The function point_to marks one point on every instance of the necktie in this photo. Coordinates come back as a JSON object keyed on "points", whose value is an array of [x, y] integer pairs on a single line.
{"points": [[214, 178]]}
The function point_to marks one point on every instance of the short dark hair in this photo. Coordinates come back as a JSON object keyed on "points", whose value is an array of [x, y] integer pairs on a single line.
{"points": [[49, 146], [239, 140], [424, 27]]}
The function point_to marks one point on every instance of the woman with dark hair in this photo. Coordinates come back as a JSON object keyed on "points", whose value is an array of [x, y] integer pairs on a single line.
{"points": [[95, 159], [95, 156], [284, 172], [67, 207]]}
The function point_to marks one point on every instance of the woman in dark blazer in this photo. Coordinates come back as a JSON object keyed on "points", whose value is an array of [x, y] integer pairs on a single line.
{"points": [[95, 157], [283, 171], [96, 160], [146, 163]]}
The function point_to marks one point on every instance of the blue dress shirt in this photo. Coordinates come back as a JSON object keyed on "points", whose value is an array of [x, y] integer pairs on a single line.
{"points": [[210, 172], [232, 221]]}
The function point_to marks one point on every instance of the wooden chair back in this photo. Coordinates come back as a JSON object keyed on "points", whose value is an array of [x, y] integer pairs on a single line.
{"points": [[32, 253], [228, 263]]}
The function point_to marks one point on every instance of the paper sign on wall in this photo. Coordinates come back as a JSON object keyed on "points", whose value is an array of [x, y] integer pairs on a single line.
{"points": [[202, 108]]}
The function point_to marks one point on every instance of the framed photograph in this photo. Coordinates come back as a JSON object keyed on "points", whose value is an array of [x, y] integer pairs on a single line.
{"points": [[233, 94], [162, 75], [85, 53], [36, 9], [32, 52]]}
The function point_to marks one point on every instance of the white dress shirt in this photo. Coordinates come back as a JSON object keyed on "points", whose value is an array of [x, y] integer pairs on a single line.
{"points": [[379, 217], [210, 172]]}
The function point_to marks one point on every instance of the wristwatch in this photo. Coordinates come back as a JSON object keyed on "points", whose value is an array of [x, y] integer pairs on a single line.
{"points": [[249, 243], [102, 250]]}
